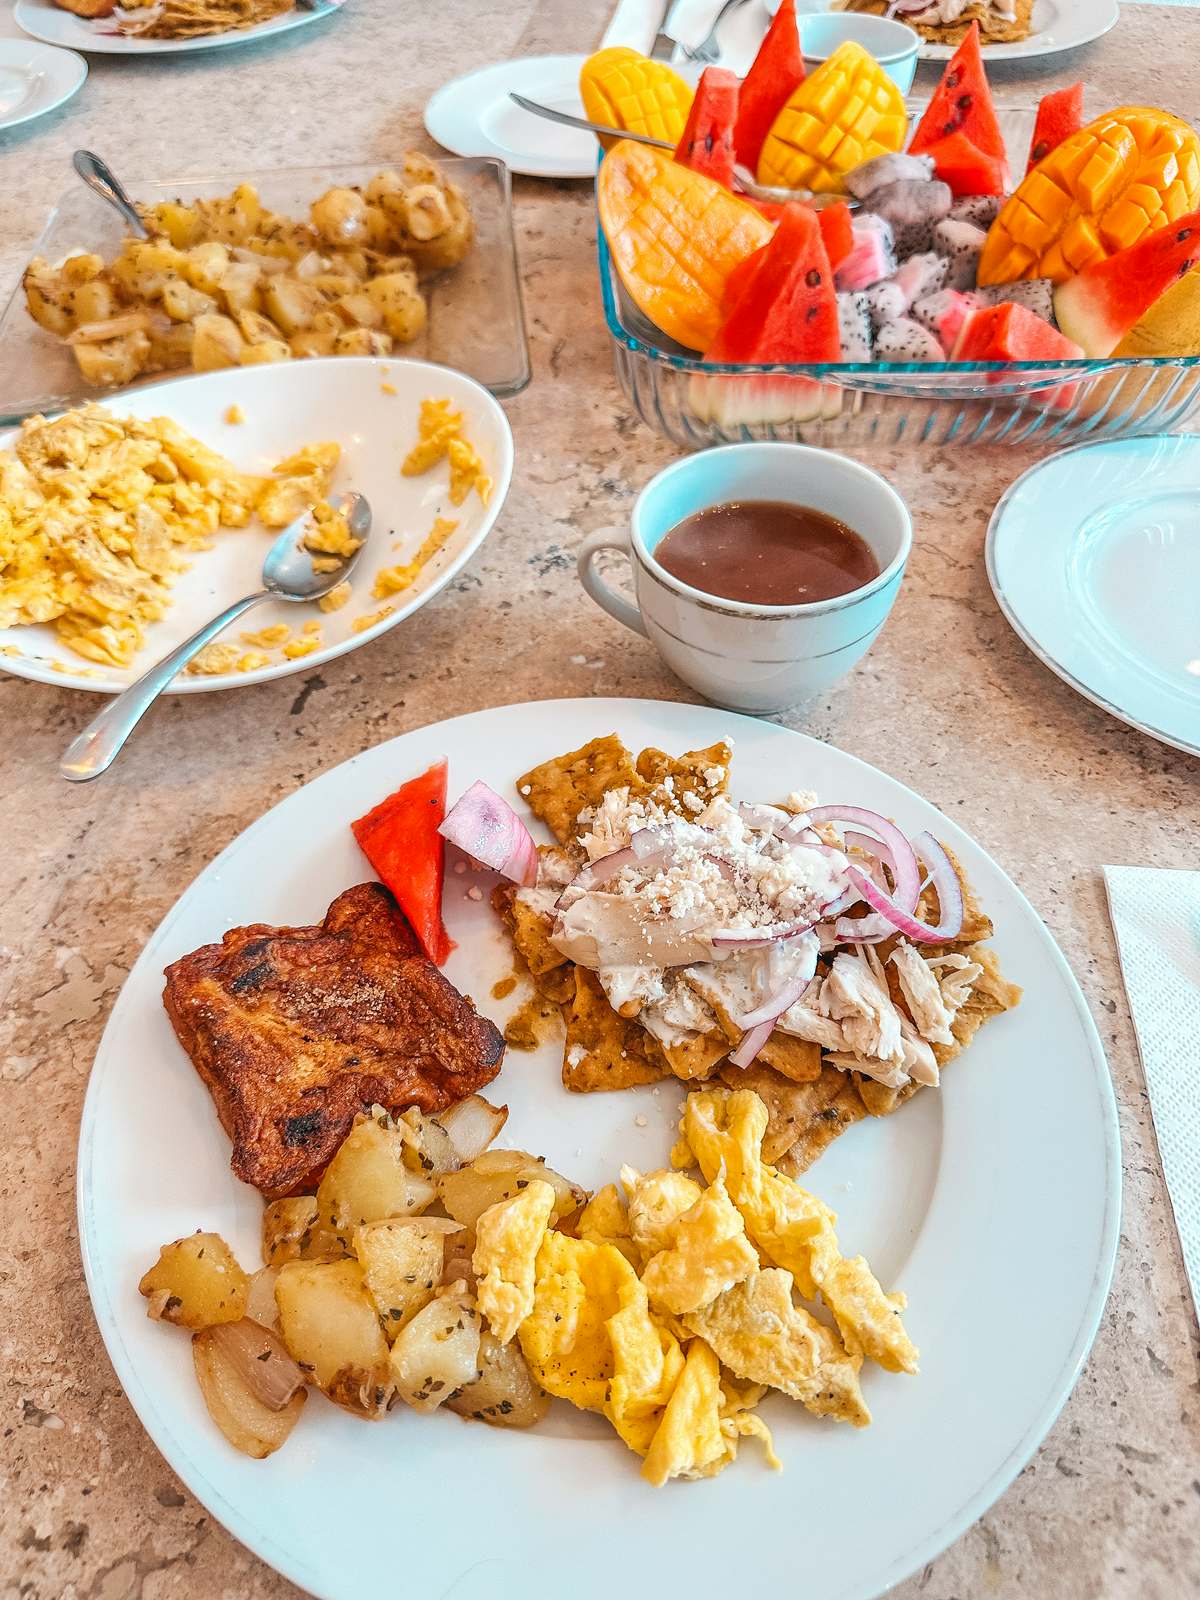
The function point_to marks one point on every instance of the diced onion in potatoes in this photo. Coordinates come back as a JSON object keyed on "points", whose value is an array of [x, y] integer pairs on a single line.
{"points": [[260, 1298], [261, 1360], [195, 1283], [402, 1262], [331, 1329], [498, 1175], [505, 1393], [473, 1124], [437, 1352], [250, 1426]]}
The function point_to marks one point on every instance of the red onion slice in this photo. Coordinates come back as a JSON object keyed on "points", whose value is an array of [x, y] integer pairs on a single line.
{"points": [[949, 893], [488, 830], [904, 866], [764, 819], [771, 1010], [751, 1043], [648, 848], [761, 938], [798, 831]]}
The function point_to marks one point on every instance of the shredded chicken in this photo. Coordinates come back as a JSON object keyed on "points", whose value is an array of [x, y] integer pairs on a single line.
{"points": [[857, 997], [919, 986]]}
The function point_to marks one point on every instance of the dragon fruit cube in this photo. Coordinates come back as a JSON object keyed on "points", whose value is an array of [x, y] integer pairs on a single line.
{"points": [[854, 325], [872, 256], [944, 313], [962, 245], [906, 340]]}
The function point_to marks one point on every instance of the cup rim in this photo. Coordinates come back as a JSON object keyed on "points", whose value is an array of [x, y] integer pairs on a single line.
{"points": [[889, 58], [754, 608]]}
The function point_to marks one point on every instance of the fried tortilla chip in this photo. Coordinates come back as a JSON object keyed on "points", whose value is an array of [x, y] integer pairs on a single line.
{"points": [[791, 1107], [603, 1049], [797, 1059], [530, 931], [837, 1105], [700, 774], [560, 789], [696, 1057]]}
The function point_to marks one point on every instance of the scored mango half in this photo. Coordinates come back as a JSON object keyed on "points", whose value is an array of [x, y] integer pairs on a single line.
{"points": [[846, 113], [625, 90], [1098, 192], [675, 237]]}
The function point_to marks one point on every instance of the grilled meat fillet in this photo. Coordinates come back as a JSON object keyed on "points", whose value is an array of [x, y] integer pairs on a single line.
{"points": [[295, 1030]]}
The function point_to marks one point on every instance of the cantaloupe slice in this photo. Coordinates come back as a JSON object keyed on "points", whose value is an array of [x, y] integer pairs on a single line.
{"points": [[1131, 170], [675, 237]]}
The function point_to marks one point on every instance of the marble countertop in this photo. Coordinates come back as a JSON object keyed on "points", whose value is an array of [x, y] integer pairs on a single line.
{"points": [[949, 701]]}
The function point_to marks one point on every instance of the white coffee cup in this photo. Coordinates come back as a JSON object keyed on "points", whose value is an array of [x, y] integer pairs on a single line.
{"points": [[743, 655]]}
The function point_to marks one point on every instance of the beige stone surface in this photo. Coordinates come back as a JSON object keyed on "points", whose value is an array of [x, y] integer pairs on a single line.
{"points": [[948, 700]]}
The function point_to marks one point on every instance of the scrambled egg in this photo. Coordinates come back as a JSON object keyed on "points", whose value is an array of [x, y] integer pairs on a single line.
{"points": [[97, 515], [673, 1310], [440, 438], [507, 1239], [393, 580]]}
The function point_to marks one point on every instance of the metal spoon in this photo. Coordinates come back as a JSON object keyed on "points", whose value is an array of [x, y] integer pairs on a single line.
{"points": [[100, 178], [747, 180], [288, 574]]}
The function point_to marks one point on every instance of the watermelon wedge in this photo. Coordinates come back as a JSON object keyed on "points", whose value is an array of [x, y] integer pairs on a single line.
{"points": [[966, 168], [788, 309], [1101, 304], [1059, 115], [707, 142], [400, 839], [774, 73], [962, 103], [837, 235], [1010, 332]]}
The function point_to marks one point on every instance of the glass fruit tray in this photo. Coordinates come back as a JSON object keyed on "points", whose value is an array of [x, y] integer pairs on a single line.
{"points": [[697, 403], [476, 320]]}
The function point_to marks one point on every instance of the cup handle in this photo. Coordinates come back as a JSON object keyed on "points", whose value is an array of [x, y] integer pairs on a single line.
{"points": [[605, 597]]}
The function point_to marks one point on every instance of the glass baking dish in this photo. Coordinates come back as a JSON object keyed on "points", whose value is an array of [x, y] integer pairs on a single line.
{"points": [[696, 403], [476, 318]]}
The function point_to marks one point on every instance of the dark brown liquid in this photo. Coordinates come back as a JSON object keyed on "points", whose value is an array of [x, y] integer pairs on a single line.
{"points": [[767, 552]]}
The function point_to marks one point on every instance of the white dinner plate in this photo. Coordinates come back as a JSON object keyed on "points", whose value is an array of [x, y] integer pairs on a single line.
{"points": [[993, 1204], [98, 36], [35, 79], [286, 405], [1094, 558], [1056, 25], [474, 116]]}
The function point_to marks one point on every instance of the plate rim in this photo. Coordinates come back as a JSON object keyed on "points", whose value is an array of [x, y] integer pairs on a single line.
{"points": [[32, 671], [79, 69], [527, 168], [297, 18], [1028, 49], [902, 1565], [1035, 648]]}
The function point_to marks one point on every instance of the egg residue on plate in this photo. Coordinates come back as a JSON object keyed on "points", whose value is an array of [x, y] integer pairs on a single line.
{"points": [[97, 513], [673, 1308]]}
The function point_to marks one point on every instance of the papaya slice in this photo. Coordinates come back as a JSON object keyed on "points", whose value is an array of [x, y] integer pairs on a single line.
{"points": [[623, 89], [675, 237], [845, 113], [707, 142], [1131, 170], [774, 73]]}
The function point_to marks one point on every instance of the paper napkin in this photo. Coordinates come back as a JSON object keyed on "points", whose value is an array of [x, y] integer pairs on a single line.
{"points": [[1156, 916], [635, 23]]}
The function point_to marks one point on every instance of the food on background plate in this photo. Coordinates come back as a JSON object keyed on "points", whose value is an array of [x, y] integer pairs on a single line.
{"points": [[671, 1306], [295, 1030], [228, 282], [936, 239], [88, 8], [949, 21], [193, 19], [684, 935], [96, 512]]}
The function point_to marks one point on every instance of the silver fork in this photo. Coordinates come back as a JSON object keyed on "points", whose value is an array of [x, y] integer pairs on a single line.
{"points": [[708, 50]]}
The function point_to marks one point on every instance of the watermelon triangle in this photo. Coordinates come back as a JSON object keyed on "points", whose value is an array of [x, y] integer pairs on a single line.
{"points": [[707, 142], [837, 235], [962, 103], [1059, 115], [1100, 305], [776, 70], [966, 168], [788, 311], [400, 839]]}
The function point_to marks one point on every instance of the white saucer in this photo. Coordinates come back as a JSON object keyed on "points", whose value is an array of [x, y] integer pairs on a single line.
{"points": [[36, 78], [1094, 558], [473, 116]]}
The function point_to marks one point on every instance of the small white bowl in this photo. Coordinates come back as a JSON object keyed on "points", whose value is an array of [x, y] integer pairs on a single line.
{"points": [[746, 656], [893, 44]]}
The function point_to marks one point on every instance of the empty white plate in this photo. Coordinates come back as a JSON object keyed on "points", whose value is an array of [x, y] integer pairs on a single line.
{"points": [[474, 116], [1094, 557], [36, 78]]}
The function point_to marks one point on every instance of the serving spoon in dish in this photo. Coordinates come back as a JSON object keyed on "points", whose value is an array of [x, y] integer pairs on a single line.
{"points": [[102, 180], [289, 573]]}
